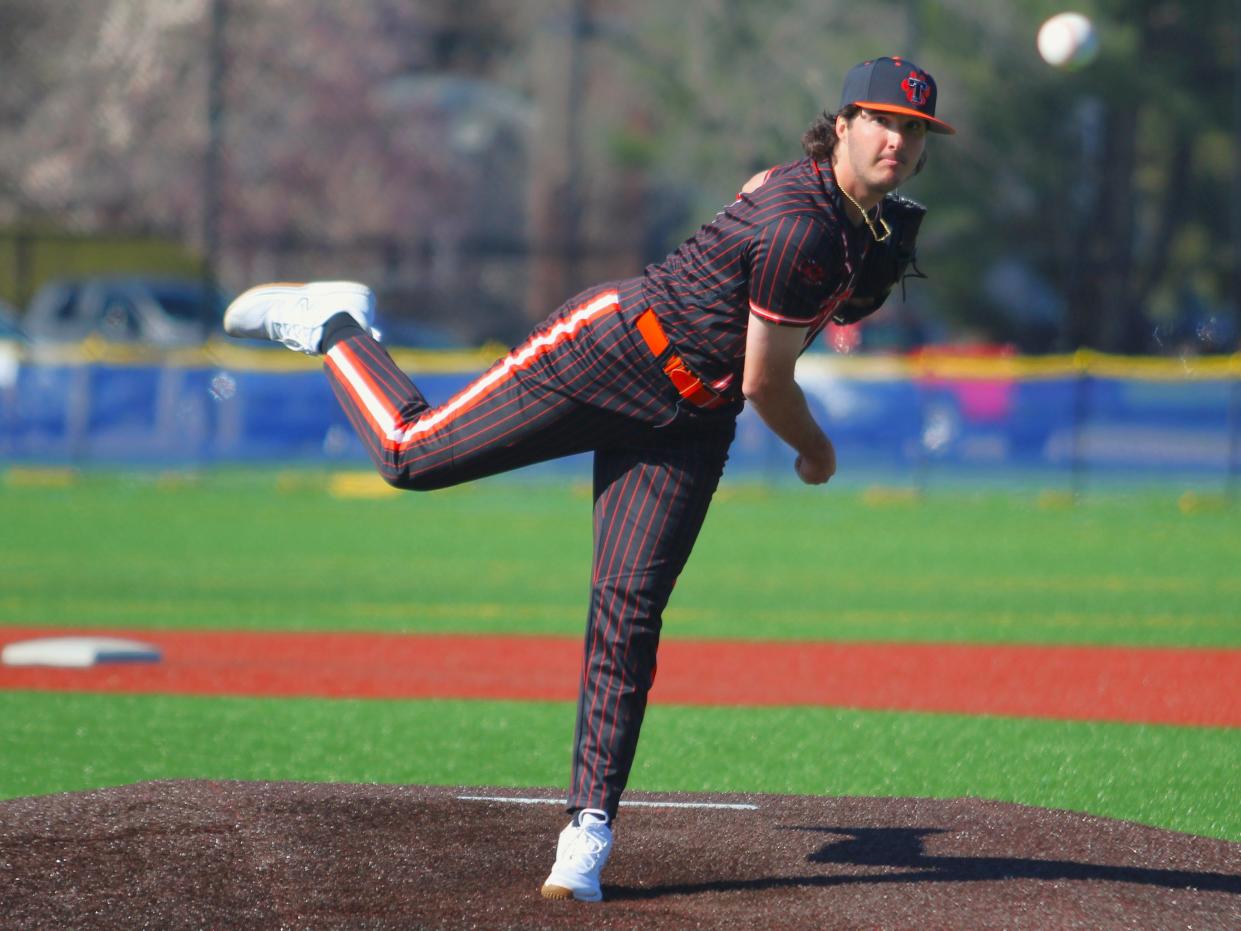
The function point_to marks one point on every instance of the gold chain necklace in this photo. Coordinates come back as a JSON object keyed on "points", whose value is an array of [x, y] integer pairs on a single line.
{"points": [[887, 230]]}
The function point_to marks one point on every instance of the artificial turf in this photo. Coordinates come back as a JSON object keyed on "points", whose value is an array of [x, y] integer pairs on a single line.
{"points": [[1175, 777], [233, 551], [261, 551]]}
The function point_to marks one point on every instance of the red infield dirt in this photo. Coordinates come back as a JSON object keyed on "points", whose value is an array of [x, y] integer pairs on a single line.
{"points": [[1141, 685], [234, 855]]}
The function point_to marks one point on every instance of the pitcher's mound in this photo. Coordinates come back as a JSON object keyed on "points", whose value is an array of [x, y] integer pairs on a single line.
{"points": [[291, 855]]}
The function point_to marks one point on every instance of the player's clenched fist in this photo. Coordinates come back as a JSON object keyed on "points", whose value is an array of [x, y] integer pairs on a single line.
{"points": [[815, 470]]}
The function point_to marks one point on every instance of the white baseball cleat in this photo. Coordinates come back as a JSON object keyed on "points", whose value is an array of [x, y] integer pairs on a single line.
{"points": [[580, 855], [294, 314]]}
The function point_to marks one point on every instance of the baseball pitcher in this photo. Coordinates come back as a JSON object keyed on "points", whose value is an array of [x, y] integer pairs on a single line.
{"points": [[649, 374]]}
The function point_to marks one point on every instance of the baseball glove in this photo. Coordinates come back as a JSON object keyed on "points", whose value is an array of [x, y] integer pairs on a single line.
{"points": [[886, 262]]}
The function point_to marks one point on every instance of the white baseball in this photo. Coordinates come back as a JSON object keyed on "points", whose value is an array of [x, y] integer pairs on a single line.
{"points": [[1068, 40]]}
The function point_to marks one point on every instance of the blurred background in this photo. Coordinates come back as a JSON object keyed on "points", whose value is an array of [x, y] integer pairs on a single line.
{"points": [[477, 162]]}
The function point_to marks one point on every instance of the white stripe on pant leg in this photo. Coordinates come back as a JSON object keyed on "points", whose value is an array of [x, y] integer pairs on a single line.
{"points": [[402, 433], [519, 358], [375, 407]]}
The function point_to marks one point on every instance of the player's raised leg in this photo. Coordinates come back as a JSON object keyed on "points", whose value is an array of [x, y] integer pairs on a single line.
{"points": [[514, 414], [310, 317]]}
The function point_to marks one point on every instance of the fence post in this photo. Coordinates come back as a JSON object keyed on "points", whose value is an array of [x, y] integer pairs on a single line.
{"points": [[78, 413], [1233, 465], [919, 373], [1081, 410]]}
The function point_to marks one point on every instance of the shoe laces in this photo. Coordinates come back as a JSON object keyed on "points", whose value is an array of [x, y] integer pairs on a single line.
{"points": [[293, 335], [589, 843]]}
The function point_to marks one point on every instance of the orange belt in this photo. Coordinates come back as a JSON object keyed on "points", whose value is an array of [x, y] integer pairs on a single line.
{"points": [[688, 385]]}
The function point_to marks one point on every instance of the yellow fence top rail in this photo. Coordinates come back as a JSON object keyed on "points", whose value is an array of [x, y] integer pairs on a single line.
{"points": [[934, 364]]}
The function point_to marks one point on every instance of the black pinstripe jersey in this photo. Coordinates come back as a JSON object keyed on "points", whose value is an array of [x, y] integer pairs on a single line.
{"points": [[784, 252]]}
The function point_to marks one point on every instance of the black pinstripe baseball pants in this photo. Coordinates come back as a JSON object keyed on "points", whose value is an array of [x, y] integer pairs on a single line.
{"points": [[583, 381]]}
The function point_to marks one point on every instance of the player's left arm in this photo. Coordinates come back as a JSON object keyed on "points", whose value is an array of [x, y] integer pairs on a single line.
{"points": [[771, 353], [789, 266]]}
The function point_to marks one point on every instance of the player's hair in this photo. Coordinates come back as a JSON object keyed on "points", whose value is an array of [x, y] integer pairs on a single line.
{"points": [[819, 140]]}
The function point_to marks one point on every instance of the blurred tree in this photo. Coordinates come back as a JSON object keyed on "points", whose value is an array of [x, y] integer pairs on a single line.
{"points": [[351, 137], [1072, 209], [438, 147], [22, 22], [1101, 184]]}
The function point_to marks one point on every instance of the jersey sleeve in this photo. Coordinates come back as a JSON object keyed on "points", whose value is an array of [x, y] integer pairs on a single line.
{"points": [[790, 271]]}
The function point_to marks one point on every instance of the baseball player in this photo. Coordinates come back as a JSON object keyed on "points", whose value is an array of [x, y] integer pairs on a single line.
{"points": [[648, 373]]}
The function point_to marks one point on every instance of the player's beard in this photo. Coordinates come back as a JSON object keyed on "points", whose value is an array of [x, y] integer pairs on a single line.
{"points": [[885, 179], [878, 180]]}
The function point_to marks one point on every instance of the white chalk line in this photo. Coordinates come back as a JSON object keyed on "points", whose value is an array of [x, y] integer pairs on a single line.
{"points": [[513, 800]]}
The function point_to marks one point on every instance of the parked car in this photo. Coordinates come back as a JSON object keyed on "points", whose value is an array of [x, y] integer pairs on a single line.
{"points": [[157, 311]]}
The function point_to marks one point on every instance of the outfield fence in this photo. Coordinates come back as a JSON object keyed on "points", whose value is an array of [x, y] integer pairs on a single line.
{"points": [[914, 420]]}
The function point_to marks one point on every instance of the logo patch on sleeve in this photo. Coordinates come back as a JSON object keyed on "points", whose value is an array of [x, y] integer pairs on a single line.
{"points": [[811, 272]]}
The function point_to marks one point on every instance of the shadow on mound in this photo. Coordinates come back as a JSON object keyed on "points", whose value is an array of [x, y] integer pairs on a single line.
{"points": [[195, 854], [903, 848]]}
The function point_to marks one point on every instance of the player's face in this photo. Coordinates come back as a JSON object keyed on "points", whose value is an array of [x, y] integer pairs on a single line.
{"points": [[882, 149]]}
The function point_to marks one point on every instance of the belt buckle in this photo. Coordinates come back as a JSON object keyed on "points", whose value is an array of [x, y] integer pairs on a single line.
{"points": [[688, 385]]}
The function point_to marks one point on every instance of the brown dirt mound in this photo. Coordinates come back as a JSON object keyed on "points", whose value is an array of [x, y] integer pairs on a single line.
{"points": [[195, 854]]}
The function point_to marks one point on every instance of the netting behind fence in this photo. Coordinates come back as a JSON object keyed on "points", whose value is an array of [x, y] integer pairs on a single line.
{"points": [[891, 419]]}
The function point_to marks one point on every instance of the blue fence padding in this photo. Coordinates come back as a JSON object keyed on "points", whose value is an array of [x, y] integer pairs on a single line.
{"points": [[89, 414], [1148, 426]]}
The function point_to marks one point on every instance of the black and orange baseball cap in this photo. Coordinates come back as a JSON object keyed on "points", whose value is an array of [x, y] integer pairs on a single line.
{"points": [[894, 85]]}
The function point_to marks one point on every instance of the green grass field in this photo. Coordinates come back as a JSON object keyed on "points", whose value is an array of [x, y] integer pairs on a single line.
{"points": [[243, 550]]}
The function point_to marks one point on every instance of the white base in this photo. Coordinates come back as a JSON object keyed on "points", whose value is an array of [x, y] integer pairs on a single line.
{"points": [[77, 652]]}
